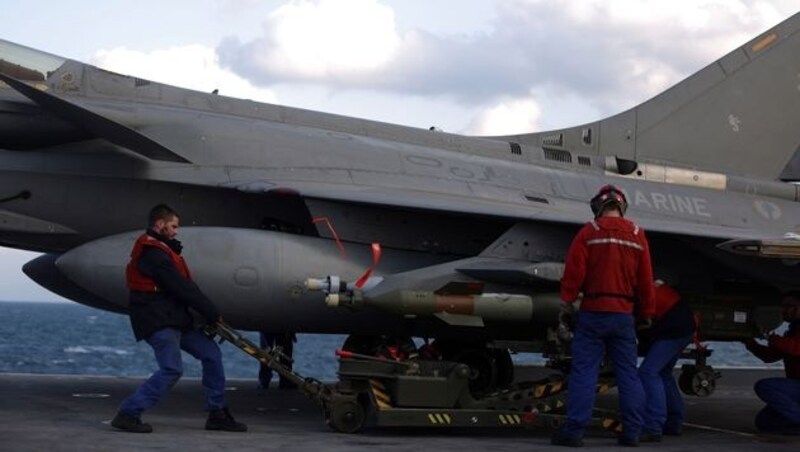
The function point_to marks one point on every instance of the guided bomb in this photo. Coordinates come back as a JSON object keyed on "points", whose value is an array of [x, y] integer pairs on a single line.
{"points": [[456, 303]]}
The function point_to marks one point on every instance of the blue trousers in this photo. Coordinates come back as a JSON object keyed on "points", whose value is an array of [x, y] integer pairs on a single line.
{"points": [[598, 334], [782, 396], [167, 344], [664, 404]]}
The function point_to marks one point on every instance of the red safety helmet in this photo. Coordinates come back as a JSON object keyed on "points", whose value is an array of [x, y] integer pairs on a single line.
{"points": [[606, 196]]}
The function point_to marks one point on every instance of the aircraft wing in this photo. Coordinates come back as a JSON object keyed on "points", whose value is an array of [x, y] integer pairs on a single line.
{"points": [[98, 125]]}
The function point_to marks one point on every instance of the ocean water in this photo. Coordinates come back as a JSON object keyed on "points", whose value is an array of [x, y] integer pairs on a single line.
{"points": [[68, 338]]}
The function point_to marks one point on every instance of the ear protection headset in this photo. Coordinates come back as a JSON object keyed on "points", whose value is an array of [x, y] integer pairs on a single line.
{"points": [[607, 195]]}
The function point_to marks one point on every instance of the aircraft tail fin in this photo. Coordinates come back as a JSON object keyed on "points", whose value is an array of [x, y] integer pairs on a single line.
{"points": [[739, 115]]}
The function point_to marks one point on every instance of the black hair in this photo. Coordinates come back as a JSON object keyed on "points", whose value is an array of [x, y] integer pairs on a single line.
{"points": [[160, 212]]}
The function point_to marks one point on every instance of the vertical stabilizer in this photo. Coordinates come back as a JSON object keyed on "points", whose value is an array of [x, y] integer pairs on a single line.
{"points": [[739, 115]]}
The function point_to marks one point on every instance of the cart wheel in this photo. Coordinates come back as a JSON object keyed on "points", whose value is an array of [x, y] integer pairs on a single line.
{"points": [[483, 369], [553, 422], [505, 367], [346, 416], [697, 382]]}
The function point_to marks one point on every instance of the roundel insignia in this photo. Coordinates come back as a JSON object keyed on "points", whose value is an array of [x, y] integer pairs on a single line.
{"points": [[768, 209]]}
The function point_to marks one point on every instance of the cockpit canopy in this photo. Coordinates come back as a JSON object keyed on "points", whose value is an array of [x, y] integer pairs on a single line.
{"points": [[24, 63]]}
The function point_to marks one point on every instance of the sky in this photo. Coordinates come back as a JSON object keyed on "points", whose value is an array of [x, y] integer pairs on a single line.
{"points": [[468, 66]]}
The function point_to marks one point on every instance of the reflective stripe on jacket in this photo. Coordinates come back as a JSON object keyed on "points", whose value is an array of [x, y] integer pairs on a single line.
{"points": [[609, 261]]}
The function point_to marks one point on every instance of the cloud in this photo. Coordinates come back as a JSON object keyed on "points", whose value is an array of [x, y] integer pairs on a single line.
{"points": [[507, 118], [192, 66], [613, 53], [317, 40]]}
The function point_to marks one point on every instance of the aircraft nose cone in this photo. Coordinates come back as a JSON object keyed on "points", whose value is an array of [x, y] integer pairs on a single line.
{"points": [[99, 267], [44, 271]]}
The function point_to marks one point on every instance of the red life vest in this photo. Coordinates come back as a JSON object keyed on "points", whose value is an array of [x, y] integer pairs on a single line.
{"points": [[136, 280]]}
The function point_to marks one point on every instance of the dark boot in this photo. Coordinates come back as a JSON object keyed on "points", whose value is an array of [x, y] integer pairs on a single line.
{"points": [[628, 441], [130, 424], [222, 420], [650, 437], [559, 439]]}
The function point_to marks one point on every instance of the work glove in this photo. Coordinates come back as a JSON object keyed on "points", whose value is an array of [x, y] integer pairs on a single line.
{"points": [[214, 322], [566, 316], [566, 313], [764, 333], [563, 333]]}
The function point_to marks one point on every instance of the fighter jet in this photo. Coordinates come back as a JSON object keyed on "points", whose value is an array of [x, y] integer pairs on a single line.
{"points": [[281, 206]]}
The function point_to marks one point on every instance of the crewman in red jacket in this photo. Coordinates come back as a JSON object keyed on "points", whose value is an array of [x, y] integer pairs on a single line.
{"points": [[609, 262], [782, 395]]}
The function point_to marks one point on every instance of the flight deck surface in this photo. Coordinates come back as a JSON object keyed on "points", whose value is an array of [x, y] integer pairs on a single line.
{"points": [[72, 413]]}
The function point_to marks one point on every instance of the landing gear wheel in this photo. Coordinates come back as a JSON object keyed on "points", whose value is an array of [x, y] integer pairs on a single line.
{"points": [[346, 416], [697, 381]]}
